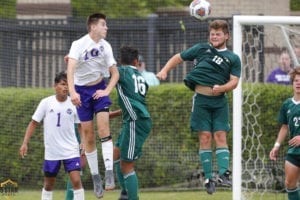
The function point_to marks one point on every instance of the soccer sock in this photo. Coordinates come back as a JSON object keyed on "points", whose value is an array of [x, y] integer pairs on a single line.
{"points": [[92, 160], [132, 185], [69, 191], [293, 194], [46, 195], [119, 174], [79, 194], [107, 153], [205, 156], [222, 156]]}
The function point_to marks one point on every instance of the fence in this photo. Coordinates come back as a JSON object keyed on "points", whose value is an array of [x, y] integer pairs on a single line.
{"points": [[32, 51]]}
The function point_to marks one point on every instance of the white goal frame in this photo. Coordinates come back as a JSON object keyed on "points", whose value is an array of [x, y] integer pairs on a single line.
{"points": [[238, 21]]}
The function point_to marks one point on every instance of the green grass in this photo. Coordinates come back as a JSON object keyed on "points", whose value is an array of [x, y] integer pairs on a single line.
{"points": [[145, 195]]}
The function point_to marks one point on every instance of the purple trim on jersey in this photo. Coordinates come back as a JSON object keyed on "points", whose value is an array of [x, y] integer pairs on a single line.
{"points": [[90, 106], [278, 76], [51, 167]]}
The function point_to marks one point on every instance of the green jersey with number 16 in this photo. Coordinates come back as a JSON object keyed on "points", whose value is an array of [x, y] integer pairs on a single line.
{"points": [[132, 89]]}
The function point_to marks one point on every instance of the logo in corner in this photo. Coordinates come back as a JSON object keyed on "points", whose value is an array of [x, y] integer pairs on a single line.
{"points": [[9, 189]]}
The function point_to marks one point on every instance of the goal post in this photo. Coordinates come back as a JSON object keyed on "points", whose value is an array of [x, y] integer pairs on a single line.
{"points": [[239, 22]]}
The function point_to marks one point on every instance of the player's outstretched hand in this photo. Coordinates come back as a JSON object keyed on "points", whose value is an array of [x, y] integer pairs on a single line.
{"points": [[115, 113], [161, 75]]}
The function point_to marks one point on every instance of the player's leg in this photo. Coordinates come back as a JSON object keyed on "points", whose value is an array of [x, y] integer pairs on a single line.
{"points": [[201, 123], [51, 169], [91, 154], [220, 128], [72, 166], [130, 180], [119, 174], [292, 172], [107, 147], [77, 185]]}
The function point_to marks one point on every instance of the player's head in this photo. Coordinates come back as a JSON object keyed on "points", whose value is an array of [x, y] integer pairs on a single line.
{"points": [[60, 76], [61, 86], [218, 33], [93, 19], [129, 56]]}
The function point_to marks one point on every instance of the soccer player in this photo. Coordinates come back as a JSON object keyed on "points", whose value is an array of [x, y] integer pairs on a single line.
{"points": [[132, 89], [289, 116], [216, 72], [90, 60], [61, 147]]}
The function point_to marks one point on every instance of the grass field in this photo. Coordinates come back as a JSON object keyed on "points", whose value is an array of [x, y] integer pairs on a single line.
{"points": [[113, 195]]}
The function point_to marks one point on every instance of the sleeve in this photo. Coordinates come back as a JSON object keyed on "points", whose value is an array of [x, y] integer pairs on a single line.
{"points": [[110, 60], [40, 111], [191, 53], [74, 53], [236, 66]]}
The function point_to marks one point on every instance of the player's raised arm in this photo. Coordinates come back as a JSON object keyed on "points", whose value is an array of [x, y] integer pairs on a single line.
{"points": [[172, 63]]}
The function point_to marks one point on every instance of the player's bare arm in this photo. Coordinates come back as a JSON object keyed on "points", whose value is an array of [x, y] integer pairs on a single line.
{"points": [[29, 132], [172, 63], [114, 77], [230, 85], [75, 97], [280, 138]]}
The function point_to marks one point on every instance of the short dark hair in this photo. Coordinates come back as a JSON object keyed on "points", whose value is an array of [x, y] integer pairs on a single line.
{"points": [[128, 54], [60, 76], [93, 19]]}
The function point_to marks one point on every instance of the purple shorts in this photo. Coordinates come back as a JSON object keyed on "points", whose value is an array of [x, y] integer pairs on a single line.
{"points": [[51, 167], [90, 106]]}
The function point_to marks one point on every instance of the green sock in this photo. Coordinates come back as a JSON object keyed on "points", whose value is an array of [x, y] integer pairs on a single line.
{"points": [[293, 194], [69, 191], [205, 156], [222, 156], [119, 174], [132, 185]]}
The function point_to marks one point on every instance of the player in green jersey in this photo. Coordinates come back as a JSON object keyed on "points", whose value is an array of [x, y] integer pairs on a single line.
{"points": [[289, 118], [216, 72], [132, 89]]}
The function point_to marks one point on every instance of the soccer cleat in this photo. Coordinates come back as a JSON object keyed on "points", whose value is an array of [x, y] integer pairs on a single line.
{"points": [[210, 186], [123, 195], [109, 180], [224, 179], [98, 188]]}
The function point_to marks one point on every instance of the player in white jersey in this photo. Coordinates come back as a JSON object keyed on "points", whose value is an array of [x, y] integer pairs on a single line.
{"points": [[61, 147], [90, 60]]}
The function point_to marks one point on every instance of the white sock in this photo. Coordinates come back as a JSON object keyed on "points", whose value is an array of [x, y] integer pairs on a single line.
{"points": [[79, 194], [46, 195], [107, 153], [92, 159]]}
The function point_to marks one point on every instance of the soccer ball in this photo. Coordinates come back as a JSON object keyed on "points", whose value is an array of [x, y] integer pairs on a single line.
{"points": [[200, 9]]}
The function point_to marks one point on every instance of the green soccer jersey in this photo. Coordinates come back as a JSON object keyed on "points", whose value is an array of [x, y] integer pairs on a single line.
{"points": [[132, 89], [290, 115], [211, 66]]}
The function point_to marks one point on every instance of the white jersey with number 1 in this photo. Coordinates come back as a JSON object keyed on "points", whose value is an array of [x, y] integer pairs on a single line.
{"points": [[59, 132]]}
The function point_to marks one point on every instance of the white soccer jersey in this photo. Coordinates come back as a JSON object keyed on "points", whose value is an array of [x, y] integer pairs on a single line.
{"points": [[59, 132], [94, 59]]}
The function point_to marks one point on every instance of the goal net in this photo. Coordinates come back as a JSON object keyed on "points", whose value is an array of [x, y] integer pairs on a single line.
{"points": [[259, 40]]}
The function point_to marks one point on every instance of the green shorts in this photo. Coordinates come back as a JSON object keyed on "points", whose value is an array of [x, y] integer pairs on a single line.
{"points": [[293, 158], [210, 113], [132, 137]]}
